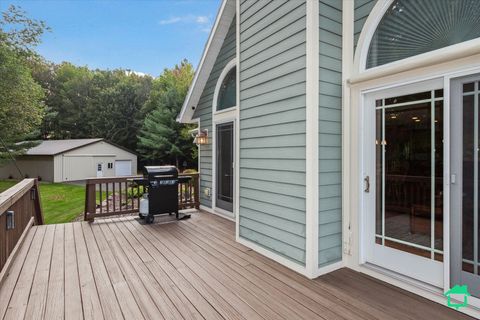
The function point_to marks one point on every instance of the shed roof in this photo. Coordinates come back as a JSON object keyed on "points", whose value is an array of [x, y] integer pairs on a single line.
{"points": [[54, 147]]}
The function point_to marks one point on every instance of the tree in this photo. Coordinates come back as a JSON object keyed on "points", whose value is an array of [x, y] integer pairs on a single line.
{"points": [[21, 105], [20, 33], [162, 139]]}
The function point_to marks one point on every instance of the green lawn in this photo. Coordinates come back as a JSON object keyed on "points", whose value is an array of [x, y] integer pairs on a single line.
{"points": [[60, 202]]}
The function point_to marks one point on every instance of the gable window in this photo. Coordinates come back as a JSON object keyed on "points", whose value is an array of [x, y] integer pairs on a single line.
{"points": [[225, 96], [412, 27]]}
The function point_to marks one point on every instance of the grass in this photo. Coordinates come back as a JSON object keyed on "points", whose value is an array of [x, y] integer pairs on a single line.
{"points": [[60, 202]]}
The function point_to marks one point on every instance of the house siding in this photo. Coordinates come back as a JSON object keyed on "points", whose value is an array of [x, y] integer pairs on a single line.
{"points": [[330, 133], [204, 112], [272, 126], [361, 12]]}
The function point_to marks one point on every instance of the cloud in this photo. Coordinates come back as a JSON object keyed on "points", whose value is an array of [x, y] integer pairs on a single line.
{"points": [[170, 21], [203, 20], [187, 19]]}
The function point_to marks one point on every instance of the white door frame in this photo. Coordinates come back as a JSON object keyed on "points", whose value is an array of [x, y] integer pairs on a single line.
{"points": [[428, 270], [354, 131], [222, 117], [219, 117]]}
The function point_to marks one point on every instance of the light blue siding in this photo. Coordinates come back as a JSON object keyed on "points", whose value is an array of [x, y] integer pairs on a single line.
{"points": [[362, 10], [330, 133], [272, 126], [204, 111]]}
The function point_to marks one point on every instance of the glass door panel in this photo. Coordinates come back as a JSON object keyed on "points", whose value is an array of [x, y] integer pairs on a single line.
{"points": [[224, 170], [403, 167], [465, 244], [409, 173]]}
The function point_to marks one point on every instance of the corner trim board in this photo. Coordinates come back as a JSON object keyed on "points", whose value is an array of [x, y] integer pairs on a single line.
{"points": [[311, 157]]}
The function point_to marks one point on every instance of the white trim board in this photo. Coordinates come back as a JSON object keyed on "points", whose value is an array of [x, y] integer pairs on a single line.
{"points": [[237, 127], [219, 31], [212, 211], [275, 257], [311, 156]]}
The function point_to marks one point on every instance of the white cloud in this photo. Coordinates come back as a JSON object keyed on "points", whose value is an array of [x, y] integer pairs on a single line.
{"points": [[203, 21], [170, 21]]}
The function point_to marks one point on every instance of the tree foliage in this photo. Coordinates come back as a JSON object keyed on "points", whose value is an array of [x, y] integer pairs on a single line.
{"points": [[21, 98], [162, 139], [44, 100], [84, 103]]}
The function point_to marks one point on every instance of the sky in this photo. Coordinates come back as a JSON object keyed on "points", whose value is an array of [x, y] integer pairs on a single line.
{"points": [[144, 36]]}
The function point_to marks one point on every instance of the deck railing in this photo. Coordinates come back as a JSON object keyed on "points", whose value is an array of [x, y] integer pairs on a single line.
{"points": [[20, 208], [112, 196]]}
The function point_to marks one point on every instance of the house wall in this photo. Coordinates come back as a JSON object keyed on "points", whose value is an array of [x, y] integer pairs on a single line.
{"points": [[31, 166], [272, 126], [204, 113], [360, 15], [330, 132]]}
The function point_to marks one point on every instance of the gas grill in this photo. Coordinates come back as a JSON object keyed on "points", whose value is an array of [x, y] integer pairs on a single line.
{"points": [[161, 192]]}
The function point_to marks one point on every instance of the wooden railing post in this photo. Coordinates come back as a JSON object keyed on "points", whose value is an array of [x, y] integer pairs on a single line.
{"points": [[196, 190], [90, 201]]}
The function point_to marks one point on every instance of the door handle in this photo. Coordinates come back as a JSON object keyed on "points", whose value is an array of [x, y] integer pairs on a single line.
{"points": [[367, 184]]}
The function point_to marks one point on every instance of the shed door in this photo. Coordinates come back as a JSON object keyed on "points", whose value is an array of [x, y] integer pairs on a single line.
{"points": [[123, 167]]}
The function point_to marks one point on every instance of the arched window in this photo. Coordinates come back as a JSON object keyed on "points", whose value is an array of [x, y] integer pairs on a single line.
{"points": [[412, 27], [227, 92]]}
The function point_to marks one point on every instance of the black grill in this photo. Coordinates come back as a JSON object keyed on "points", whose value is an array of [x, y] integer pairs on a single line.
{"points": [[161, 184]]}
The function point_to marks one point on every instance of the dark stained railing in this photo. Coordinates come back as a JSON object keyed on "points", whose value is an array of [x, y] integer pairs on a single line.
{"points": [[20, 208], [112, 196]]}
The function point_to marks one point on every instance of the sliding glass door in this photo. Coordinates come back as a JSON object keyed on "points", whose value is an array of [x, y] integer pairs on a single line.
{"points": [[465, 245]]}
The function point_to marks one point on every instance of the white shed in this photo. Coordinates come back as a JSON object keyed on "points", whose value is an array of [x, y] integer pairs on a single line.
{"points": [[73, 160]]}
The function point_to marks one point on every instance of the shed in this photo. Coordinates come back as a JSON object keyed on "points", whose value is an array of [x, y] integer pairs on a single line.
{"points": [[73, 160]]}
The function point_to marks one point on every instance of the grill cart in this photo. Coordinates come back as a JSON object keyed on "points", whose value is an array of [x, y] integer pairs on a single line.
{"points": [[161, 192]]}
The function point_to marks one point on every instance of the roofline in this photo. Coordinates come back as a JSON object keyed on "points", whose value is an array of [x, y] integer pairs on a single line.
{"points": [[78, 147], [186, 112], [75, 148]]}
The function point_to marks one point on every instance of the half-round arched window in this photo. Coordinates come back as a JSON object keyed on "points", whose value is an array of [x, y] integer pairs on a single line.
{"points": [[227, 90], [412, 27]]}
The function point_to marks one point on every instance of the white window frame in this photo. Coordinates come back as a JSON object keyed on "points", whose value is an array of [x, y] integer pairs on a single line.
{"points": [[230, 65], [361, 73], [219, 117]]}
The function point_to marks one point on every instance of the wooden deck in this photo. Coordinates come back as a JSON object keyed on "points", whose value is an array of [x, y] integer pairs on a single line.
{"points": [[192, 269]]}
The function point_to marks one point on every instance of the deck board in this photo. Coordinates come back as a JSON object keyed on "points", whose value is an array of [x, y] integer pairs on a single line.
{"points": [[121, 268]]}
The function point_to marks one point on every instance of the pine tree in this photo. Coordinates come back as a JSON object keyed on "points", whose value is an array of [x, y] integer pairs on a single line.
{"points": [[162, 139]]}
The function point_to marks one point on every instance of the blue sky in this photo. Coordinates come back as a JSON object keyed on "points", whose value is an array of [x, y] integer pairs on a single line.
{"points": [[144, 36]]}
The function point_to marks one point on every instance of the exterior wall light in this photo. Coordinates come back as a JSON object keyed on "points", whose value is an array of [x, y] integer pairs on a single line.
{"points": [[10, 220], [201, 137]]}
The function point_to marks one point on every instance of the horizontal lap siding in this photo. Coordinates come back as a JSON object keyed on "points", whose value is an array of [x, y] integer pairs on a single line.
{"points": [[272, 126], [204, 112], [362, 10], [330, 133]]}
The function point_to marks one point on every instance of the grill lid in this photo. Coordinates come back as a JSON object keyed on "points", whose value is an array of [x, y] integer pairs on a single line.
{"points": [[152, 172]]}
